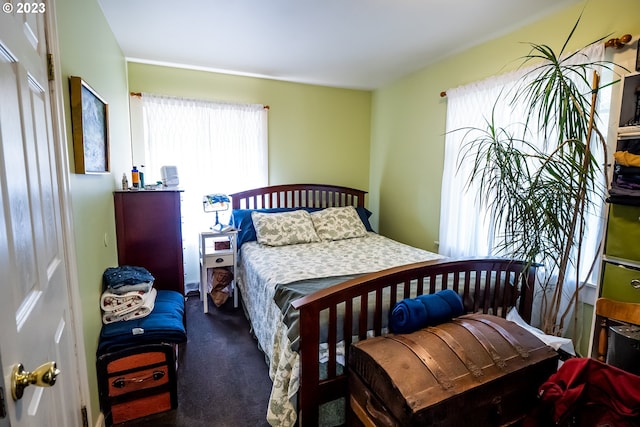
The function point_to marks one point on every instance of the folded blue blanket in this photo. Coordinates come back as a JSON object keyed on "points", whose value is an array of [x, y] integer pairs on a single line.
{"points": [[412, 314], [115, 277]]}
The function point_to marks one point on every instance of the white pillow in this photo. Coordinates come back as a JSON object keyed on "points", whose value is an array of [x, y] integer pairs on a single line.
{"points": [[338, 223], [284, 228]]}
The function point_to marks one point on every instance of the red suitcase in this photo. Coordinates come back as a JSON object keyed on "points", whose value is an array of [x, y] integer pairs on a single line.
{"points": [[137, 381]]}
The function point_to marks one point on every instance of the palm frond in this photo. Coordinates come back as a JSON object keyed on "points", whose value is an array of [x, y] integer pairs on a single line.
{"points": [[536, 195]]}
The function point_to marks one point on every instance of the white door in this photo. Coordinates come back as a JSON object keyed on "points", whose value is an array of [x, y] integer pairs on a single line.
{"points": [[35, 319]]}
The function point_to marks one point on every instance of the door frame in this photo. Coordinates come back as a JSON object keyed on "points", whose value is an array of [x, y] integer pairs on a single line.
{"points": [[62, 174]]}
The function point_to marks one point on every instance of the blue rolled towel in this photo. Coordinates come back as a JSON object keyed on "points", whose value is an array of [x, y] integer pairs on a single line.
{"points": [[406, 316], [442, 306], [438, 309], [454, 300]]}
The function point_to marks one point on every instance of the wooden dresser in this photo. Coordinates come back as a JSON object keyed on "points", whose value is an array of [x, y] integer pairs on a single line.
{"points": [[149, 234]]}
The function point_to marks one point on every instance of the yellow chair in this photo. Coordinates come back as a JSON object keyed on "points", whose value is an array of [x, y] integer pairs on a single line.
{"points": [[610, 312]]}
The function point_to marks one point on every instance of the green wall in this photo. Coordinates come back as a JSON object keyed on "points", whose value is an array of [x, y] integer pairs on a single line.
{"points": [[408, 116], [316, 134], [88, 49]]}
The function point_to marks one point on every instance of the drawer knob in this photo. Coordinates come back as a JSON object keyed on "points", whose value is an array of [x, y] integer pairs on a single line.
{"points": [[219, 259], [635, 283]]}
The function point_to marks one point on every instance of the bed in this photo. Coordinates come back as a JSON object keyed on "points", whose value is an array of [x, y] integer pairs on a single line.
{"points": [[309, 300]]}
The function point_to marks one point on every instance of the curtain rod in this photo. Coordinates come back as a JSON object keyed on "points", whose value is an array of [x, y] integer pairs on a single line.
{"points": [[618, 43], [139, 94]]}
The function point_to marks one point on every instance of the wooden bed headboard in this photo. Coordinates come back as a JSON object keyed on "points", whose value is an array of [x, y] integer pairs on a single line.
{"points": [[298, 195]]}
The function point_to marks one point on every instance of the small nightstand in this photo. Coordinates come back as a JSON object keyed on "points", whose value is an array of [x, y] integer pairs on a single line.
{"points": [[217, 249]]}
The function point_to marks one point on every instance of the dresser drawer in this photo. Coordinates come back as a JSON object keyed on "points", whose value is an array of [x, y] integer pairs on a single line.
{"points": [[619, 281], [221, 260], [623, 232]]}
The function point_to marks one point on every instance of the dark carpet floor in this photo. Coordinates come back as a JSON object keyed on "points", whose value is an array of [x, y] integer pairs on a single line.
{"points": [[223, 379]]}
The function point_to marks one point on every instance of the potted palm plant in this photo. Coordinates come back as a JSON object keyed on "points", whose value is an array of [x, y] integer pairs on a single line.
{"points": [[540, 182]]}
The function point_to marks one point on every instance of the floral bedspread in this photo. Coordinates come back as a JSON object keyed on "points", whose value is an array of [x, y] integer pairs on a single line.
{"points": [[262, 268]]}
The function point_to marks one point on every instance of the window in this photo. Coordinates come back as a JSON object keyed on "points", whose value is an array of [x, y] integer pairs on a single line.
{"points": [[216, 147], [465, 227]]}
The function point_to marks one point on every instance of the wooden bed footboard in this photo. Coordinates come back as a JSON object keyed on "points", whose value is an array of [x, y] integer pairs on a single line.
{"points": [[490, 286]]}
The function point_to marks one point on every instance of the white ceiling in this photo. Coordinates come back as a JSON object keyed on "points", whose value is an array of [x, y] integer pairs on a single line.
{"points": [[360, 44]]}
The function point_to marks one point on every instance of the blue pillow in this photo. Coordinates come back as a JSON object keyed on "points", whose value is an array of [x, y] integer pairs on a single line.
{"points": [[241, 220]]}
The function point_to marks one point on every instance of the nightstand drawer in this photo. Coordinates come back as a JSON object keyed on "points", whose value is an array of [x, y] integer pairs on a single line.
{"points": [[619, 281], [623, 232], [221, 260]]}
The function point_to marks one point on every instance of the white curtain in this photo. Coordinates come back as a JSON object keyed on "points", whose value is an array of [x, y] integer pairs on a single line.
{"points": [[465, 226], [216, 147]]}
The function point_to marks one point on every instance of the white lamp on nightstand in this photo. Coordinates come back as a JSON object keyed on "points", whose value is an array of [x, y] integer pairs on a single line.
{"points": [[216, 203]]}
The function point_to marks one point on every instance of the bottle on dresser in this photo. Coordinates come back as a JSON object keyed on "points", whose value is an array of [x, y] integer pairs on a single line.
{"points": [[135, 177], [141, 176]]}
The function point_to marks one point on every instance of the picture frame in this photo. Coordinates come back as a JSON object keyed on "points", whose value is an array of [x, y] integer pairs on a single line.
{"points": [[89, 127], [638, 56]]}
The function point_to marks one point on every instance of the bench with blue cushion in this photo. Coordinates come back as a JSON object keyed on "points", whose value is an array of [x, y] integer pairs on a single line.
{"points": [[165, 324]]}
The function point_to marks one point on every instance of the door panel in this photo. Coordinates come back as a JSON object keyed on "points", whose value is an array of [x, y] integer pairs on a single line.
{"points": [[35, 308]]}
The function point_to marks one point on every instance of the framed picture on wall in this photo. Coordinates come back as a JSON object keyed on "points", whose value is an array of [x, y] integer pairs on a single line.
{"points": [[89, 127]]}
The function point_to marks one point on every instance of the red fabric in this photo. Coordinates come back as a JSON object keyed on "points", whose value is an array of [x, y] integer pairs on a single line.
{"points": [[583, 385]]}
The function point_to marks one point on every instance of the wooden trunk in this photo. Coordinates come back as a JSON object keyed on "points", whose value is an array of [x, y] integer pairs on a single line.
{"points": [[137, 382], [477, 369]]}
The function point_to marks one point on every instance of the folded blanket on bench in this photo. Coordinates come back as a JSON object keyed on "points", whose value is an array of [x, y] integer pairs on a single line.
{"points": [[412, 314], [126, 277], [119, 303], [132, 305]]}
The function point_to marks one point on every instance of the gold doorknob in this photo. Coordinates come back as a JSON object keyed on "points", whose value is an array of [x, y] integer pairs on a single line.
{"points": [[44, 376]]}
